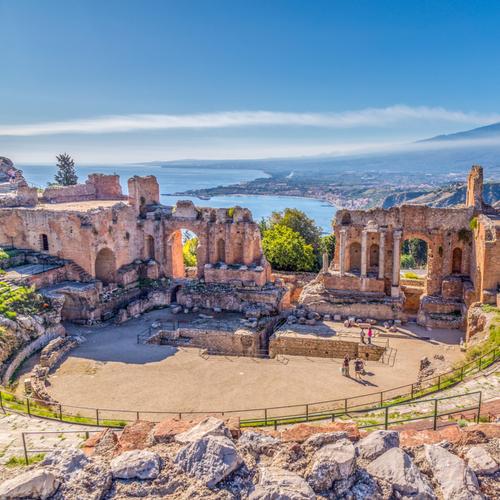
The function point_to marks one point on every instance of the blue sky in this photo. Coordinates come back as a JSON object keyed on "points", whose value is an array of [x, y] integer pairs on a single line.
{"points": [[111, 81]]}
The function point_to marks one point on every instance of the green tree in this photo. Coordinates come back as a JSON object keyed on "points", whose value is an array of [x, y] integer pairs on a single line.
{"points": [[299, 222], [407, 261], [189, 252], [286, 250], [66, 173], [327, 244], [417, 248]]}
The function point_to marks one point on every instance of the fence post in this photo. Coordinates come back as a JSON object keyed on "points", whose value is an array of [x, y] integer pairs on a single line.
{"points": [[435, 414], [60, 412], [345, 405], [381, 398], [439, 382], [462, 374], [275, 425], [24, 448], [137, 415], [333, 417], [1, 402], [265, 416], [386, 423], [28, 406], [307, 413], [97, 415], [479, 406]]}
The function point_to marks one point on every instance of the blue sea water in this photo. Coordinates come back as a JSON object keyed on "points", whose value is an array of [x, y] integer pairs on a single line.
{"points": [[174, 179]]}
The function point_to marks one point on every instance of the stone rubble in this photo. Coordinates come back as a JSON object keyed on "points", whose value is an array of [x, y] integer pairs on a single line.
{"points": [[204, 459]]}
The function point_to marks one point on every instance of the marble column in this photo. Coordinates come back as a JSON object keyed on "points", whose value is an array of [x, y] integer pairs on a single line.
{"points": [[325, 262], [363, 253], [342, 252], [381, 256], [396, 258]]}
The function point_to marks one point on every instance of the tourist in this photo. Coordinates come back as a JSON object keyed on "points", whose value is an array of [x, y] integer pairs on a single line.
{"points": [[362, 336], [370, 335], [358, 368], [367, 356], [345, 366]]}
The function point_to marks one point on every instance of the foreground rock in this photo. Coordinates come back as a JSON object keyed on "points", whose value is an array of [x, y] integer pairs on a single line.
{"points": [[333, 462], [456, 480], [209, 427], [280, 484], [396, 468], [377, 443], [136, 464], [66, 461], [210, 459], [39, 483], [480, 461]]}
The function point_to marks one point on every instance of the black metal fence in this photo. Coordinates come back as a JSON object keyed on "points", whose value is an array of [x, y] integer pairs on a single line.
{"points": [[117, 418]]}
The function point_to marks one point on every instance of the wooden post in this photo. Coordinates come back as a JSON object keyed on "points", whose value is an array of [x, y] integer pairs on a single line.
{"points": [[28, 405], [386, 423], [1, 402], [97, 415], [60, 412], [307, 413], [265, 415]]}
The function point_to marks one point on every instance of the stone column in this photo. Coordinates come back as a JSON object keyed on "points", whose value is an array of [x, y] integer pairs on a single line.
{"points": [[381, 256], [363, 253], [342, 252], [325, 263], [396, 258]]}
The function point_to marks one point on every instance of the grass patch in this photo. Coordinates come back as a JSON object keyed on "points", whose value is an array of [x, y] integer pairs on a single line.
{"points": [[16, 461]]}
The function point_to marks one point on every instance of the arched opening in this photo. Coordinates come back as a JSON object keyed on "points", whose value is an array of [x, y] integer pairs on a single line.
{"points": [[456, 261], [183, 253], [44, 243], [221, 250], [373, 260], [105, 266], [355, 257], [150, 247], [346, 219]]}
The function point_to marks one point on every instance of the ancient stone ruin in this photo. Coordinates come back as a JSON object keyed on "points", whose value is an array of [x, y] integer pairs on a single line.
{"points": [[364, 279]]}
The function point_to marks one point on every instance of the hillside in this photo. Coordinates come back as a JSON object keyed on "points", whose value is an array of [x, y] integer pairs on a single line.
{"points": [[447, 196], [487, 132]]}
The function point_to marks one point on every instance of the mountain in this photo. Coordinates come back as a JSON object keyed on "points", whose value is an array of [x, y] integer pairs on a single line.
{"points": [[447, 196], [487, 132]]}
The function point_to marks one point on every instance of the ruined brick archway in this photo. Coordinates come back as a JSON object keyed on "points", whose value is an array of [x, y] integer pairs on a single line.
{"points": [[355, 257], [456, 262], [105, 266], [174, 253]]}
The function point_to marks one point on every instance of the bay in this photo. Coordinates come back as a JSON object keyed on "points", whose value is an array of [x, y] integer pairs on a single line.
{"points": [[174, 179]]}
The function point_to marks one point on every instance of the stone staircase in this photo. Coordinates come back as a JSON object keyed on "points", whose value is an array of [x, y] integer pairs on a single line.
{"points": [[78, 271]]}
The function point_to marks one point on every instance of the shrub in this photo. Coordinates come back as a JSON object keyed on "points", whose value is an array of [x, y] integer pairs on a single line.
{"points": [[411, 276]]}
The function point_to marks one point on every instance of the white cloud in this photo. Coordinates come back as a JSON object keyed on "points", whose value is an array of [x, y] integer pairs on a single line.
{"points": [[370, 117]]}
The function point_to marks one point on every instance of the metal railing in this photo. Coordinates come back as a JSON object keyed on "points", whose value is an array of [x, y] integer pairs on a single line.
{"points": [[117, 418], [378, 418]]}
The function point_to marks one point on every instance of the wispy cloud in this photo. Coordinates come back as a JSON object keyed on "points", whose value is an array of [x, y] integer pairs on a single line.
{"points": [[370, 117]]}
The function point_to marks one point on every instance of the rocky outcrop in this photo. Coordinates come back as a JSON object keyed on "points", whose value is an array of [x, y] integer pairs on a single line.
{"points": [[38, 483], [210, 459], [136, 464], [455, 479], [263, 464]]}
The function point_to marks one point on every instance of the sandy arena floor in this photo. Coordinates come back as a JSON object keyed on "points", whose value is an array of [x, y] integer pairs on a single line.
{"points": [[111, 370]]}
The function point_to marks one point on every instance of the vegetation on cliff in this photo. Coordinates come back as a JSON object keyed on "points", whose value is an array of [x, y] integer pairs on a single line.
{"points": [[18, 299]]}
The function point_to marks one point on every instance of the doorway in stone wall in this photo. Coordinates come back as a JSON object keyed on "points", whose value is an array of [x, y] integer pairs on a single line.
{"points": [[183, 248], [414, 271]]}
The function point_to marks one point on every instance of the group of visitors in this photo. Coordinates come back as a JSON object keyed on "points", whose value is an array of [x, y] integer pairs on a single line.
{"points": [[359, 367]]}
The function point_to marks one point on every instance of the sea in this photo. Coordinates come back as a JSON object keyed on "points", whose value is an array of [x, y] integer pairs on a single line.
{"points": [[174, 179]]}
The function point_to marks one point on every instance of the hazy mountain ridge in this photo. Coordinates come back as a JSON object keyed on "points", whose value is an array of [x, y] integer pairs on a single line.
{"points": [[449, 196]]}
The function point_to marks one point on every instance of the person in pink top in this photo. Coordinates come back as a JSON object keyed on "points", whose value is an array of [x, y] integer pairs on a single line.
{"points": [[370, 335]]}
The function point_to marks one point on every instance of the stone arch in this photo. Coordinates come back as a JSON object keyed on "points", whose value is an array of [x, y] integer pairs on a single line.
{"points": [[221, 250], [105, 266], [355, 256], [149, 247], [456, 261], [44, 242]]}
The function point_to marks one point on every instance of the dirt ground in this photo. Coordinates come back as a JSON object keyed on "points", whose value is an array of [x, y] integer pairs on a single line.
{"points": [[110, 370]]}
